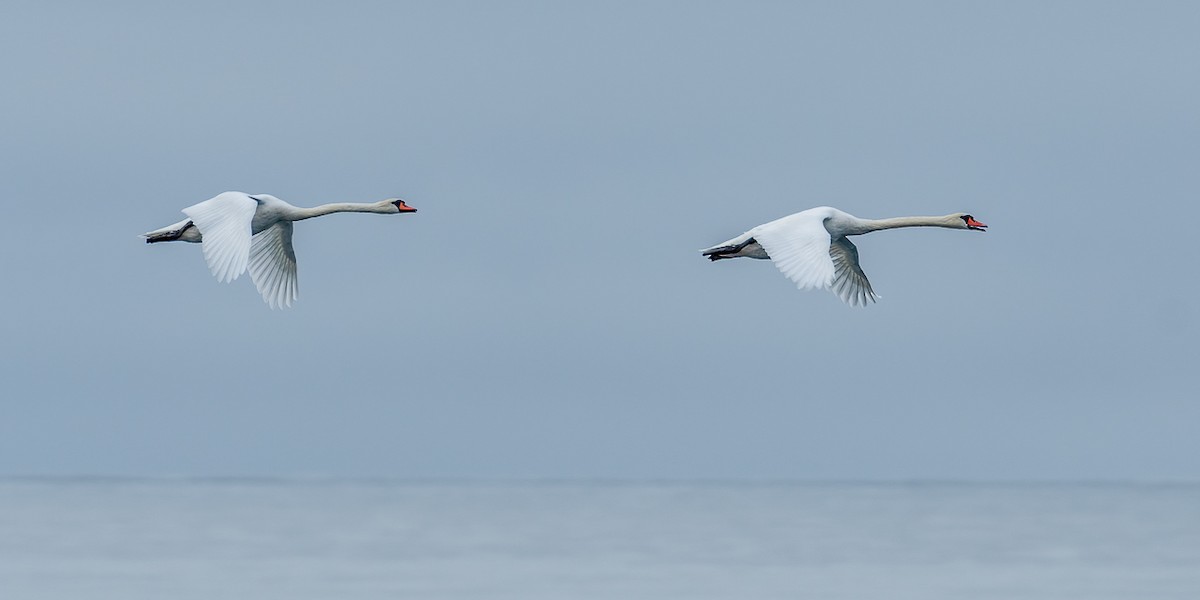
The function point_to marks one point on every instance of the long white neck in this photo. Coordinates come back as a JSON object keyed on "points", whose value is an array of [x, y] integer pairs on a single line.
{"points": [[869, 225], [383, 208]]}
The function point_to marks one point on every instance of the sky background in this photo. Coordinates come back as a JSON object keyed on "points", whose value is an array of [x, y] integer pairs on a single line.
{"points": [[545, 314]]}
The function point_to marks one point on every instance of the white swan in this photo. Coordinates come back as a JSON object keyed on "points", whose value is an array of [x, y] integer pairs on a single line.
{"points": [[241, 231], [811, 249]]}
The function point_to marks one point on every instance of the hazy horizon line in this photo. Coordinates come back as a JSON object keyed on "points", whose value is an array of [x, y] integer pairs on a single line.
{"points": [[592, 481]]}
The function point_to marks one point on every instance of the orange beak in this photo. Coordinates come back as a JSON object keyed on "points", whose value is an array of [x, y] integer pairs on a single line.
{"points": [[973, 223], [402, 207]]}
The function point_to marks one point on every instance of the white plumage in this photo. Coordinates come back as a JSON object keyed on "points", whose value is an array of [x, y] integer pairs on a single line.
{"points": [[273, 264], [225, 223]]}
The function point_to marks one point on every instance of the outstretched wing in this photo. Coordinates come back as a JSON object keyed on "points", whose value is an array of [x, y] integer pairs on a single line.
{"points": [[273, 264], [224, 222], [799, 246], [849, 281]]}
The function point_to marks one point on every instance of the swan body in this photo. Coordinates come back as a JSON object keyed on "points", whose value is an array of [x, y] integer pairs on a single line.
{"points": [[240, 232], [811, 247]]}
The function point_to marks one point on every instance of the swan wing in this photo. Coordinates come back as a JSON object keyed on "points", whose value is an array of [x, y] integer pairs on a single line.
{"points": [[273, 264], [224, 222], [849, 281], [799, 246]]}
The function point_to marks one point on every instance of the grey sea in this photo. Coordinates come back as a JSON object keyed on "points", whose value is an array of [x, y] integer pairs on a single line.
{"points": [[225, 539]]}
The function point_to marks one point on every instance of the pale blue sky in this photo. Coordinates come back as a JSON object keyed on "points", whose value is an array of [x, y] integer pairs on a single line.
{"points": [[546, 314]]}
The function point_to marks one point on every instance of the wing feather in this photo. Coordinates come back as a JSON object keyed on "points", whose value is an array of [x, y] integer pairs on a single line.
{"points": [[224, 222], [799, 246], [849, 282], [273, 265]]}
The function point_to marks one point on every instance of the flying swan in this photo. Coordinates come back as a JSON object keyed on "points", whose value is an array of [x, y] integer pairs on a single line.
{"points": [[241, 231], [811, 248]]}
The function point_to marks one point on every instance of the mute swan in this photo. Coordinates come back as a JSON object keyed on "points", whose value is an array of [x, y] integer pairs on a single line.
{"points": [[811, 248], [241, 231]]}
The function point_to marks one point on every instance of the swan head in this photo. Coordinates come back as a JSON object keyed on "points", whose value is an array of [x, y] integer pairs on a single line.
{"points": [[399, 205], [969, 222]]}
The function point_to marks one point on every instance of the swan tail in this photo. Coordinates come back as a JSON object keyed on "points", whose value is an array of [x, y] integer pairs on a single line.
{"points": [[184, 231], [715, 254], [743, 245]]}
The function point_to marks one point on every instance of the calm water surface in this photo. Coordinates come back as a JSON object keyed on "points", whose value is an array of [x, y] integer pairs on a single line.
{"points": [[134, 540]]}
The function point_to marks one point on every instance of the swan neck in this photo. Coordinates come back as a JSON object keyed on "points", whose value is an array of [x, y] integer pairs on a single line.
{"points": [[869, 225], [338, 207]]}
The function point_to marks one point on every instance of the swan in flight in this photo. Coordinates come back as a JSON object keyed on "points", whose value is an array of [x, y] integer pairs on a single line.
{"points": [[811, 247], [241, 231]]}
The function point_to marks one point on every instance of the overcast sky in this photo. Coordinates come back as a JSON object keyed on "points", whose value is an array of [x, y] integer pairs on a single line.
{"points": [[545, 313]]}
